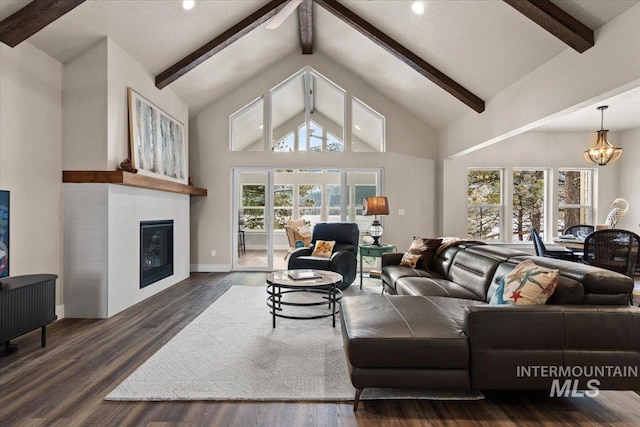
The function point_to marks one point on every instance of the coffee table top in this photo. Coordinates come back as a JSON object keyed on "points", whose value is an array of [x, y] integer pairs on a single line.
{"points": [[282, 278]]}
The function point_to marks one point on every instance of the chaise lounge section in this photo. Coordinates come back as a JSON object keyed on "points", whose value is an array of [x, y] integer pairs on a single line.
{"points": [[436, 328]]}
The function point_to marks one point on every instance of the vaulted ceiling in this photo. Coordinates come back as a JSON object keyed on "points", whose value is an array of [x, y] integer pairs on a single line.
{"points": [[484, 46]]}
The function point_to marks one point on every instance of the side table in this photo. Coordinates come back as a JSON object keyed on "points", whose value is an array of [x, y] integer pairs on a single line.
{"points": [[374, 252]]}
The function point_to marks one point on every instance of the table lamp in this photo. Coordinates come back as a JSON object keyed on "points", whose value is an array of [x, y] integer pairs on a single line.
{"points": [[375, 206]]}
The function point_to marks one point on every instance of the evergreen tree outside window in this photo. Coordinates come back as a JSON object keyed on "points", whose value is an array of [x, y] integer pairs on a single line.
{"points": [[282, 205], [484, 203], [253, 206], [574, 196], [528, 203]]}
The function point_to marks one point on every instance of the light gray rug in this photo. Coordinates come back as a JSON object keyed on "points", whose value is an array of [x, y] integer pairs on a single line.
{"points": [[231, 352]]}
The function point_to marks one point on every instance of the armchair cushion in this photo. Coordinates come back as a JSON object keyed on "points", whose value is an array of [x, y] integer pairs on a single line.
{"points": [[323, 249]]}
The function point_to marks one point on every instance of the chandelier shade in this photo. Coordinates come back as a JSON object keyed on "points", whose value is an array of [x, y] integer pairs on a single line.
{"points": [[603, 152]]}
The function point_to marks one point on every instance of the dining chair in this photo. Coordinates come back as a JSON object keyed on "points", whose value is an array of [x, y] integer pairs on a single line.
{"points": [[616, 250], [541, 249], [581, 230]]}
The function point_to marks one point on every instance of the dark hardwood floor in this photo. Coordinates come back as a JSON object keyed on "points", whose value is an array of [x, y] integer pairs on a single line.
{"points": [[65, 383]]}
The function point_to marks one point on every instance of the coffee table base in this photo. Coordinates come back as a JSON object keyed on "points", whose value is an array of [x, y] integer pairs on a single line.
{"points": [[328, 293]]}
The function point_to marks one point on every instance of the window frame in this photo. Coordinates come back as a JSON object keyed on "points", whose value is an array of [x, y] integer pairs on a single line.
{"points": [[500, 206], [590, 195]]}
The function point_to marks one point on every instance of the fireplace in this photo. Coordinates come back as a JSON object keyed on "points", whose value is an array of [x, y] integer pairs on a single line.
{"points": [[156, 251]]}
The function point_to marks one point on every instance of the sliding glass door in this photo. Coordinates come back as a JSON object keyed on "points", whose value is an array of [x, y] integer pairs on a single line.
{"points": [[266, 199]]}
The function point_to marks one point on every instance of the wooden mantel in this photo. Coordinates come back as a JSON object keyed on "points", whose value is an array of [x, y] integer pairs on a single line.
{"points": [[131, 180]]}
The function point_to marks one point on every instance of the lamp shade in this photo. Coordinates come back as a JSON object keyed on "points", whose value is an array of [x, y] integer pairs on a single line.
{"points": [[375, 206]]}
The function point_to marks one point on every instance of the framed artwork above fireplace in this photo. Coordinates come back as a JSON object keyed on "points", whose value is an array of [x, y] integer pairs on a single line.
{"points": [[158, 145]]}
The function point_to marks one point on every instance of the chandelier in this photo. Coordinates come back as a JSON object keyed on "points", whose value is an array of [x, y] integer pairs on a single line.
{"points": [[603, 152]]}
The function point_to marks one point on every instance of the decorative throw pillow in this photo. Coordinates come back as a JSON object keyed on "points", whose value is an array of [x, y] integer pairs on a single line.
{"points": [[306, 230], [498, 296], [410, 260], [425, 247], [529, 284], [323, 248]]}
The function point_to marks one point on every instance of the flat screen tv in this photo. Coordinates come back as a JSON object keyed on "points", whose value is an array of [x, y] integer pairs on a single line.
{"points": [[4, 233]]}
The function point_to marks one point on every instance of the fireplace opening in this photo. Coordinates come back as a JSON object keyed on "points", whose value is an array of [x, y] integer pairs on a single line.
{"points": [[156, 251]]}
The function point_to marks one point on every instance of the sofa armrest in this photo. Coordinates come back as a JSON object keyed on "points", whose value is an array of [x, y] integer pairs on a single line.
{"points": [[392, 258]]}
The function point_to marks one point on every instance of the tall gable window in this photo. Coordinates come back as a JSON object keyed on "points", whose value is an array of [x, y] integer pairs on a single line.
{"points": [[368, 127], [246, 127], [307, 113]]}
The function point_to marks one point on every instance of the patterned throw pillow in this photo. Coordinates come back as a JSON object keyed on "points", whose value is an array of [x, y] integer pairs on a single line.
{"points": [[410, 260], [323, 248], [529, 284], [425, 247]]}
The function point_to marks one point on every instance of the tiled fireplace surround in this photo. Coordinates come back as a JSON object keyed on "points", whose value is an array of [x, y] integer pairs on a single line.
{"points": [[102, 245]]}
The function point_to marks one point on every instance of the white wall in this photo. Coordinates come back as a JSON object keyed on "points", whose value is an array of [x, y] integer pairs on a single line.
{"points": [[532, 149], [96, 121], [30, 159], [410, 171], [564, 84], [84, 102], [629, 177], [102, 221]]}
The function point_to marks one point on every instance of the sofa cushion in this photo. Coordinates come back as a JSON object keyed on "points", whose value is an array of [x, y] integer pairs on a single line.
{"points": [[529, 284], [474, 272], [425, 247], [391, 274], [425, 286], [399, 331]]}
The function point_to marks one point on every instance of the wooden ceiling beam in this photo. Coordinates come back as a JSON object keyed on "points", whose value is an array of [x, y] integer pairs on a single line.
{"points": [[231, 35], [305, 13], [403, 54], [556, 21], [32, 18]]}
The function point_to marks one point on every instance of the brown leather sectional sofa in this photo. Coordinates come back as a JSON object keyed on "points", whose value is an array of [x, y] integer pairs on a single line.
{"points": [[435, 329]]}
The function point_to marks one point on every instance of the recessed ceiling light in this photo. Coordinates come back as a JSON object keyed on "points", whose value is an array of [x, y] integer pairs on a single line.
{"points": [[188, 4], [357, 127], [417, 7]]}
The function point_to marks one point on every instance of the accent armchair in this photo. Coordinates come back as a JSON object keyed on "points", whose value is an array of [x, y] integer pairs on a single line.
{"points": [[343, 259]]}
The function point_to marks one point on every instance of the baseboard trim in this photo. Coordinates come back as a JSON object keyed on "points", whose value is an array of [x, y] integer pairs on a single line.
{"points": [[60, 311], [210, 268]]}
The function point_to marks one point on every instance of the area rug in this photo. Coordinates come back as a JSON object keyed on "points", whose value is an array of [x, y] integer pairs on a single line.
{"points": [[231, 352]]}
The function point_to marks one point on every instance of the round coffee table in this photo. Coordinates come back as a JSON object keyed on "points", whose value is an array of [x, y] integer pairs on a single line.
{"points": [[320, 282]]}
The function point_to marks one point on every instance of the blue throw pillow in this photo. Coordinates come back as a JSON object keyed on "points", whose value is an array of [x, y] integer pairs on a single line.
{"points": [[498, 298]]}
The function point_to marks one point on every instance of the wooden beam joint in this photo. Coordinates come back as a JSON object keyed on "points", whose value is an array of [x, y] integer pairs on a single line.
{"points": [[556, 21], [305, 14], [32, 18]]}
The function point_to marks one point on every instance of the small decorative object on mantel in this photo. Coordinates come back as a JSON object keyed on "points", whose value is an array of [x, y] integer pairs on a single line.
{"points": [[127, 166], [190, 180]]}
